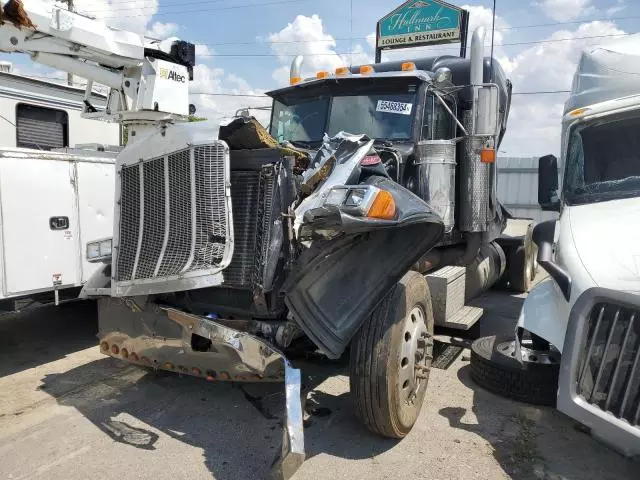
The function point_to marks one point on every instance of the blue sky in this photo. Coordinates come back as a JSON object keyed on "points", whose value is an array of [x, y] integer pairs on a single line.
{"points": [[246, 46]]}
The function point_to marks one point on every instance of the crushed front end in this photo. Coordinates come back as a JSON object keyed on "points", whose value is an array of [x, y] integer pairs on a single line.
{"points": [[225, 257]]}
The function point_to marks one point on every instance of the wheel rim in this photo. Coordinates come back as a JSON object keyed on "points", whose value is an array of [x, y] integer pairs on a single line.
{"points": [[415, 355], [529, 354]]}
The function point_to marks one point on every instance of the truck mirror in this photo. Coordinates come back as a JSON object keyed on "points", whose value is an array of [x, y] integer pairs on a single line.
{"points": [[487, 115], [548, 183]]}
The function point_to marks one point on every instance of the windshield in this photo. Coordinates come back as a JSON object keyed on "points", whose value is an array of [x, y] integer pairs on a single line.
{"points": [[603, 160], [302, 122], [387, 116]]}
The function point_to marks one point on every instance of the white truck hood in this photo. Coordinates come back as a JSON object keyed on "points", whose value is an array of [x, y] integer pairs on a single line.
{"points": [[607, 239]]}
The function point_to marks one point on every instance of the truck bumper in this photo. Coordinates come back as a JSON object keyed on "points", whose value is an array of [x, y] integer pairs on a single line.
{"points": [[599, 383], [150, 335]]}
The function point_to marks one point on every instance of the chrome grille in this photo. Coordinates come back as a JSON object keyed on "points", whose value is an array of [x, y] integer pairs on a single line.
{"points": [[609, 369], [180, 222], [173, 215], [252, 193]]}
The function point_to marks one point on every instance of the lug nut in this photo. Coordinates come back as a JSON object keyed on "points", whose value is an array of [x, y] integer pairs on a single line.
{"points": [[125, 353]]}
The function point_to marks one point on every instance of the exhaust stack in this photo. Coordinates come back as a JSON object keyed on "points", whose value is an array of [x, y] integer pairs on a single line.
{"points": [[477, 66], [475, 175], [295, 74]]}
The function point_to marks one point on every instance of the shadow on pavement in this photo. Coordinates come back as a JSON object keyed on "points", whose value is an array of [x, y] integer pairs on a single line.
{"points": [[38, 336], [237, 426], [536, 443]]}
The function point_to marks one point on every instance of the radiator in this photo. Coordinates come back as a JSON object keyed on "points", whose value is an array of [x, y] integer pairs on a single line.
{"points": [[252, 199], [609, 368]]}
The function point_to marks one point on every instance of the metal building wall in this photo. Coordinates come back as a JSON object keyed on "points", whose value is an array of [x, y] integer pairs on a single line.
{"points": [[518, 187]]}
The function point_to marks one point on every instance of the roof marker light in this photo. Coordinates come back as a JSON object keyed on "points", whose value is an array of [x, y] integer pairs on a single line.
{"points": [[295, 80], [366, 70], [408, 67], [578, 111], [322, 74], [342, 71]]}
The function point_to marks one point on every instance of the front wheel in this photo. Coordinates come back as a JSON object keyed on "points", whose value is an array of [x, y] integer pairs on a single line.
{"points": [[391, 359]]}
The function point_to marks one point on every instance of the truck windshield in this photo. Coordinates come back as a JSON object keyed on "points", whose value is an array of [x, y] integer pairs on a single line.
{"points": [[603, 160], [387, 116]]}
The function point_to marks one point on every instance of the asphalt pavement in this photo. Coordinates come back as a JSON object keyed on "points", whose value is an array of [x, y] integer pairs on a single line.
{"points": [[68, 412]]}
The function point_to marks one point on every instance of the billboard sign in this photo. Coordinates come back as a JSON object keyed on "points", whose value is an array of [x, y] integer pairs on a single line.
{"points": [[422, 22]]}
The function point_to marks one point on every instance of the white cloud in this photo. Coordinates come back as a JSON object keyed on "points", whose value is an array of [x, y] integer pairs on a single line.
{"points": [[534, 122], [565, 10], [371, 40], [214, 95], [161, 30], [618, 7], [133, 15], [203, 50], [306, 36]]}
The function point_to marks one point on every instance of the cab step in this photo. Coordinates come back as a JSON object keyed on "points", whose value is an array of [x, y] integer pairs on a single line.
{"points": [[465, 318], [447, 286]]}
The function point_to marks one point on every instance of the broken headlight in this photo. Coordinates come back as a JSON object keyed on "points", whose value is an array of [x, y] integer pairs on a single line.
{"points": [[363, 201]]}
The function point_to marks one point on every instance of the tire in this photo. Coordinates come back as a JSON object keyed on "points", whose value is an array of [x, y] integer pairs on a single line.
{"points": [[386, 387], [534, 381]]}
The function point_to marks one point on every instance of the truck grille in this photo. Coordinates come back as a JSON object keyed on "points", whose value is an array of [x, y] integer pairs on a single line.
{"points": [[173, 214], [609, 370], [252, 193]]}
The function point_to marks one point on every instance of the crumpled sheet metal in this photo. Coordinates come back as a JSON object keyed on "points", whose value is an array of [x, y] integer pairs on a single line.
{"points": [[345, 151], [162, 338]]}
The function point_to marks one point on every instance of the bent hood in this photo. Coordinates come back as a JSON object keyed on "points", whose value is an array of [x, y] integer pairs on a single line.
{"points": [[607, 239]]}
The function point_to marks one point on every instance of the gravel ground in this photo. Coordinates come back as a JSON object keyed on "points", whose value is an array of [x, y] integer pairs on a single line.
{"points": [[67, 412]]}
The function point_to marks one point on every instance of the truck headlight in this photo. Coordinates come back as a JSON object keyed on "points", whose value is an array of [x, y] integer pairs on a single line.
{"points": [[363, 201], [99, 251]]}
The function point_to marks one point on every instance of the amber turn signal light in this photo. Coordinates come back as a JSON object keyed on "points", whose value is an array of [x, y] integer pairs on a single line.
{"points": [[487, 155], [383, 206]]}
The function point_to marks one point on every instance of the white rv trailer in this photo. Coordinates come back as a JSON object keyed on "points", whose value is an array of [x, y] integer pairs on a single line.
{"points": [[53, 198]]}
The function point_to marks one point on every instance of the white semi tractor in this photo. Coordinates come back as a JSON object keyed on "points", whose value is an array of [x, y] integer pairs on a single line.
{"points": [[577, 341]]}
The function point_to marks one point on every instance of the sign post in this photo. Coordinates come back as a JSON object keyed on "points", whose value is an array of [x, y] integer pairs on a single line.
{"points": [[418, 23]]}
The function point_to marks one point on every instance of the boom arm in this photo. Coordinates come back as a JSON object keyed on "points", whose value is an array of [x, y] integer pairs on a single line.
{"points": [[149, 79]]}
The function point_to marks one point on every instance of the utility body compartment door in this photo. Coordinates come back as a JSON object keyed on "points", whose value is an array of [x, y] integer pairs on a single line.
{"points": [[39, 225]]}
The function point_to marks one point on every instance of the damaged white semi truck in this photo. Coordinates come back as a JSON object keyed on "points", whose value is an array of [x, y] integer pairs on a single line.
{"points": [[225, 255], [577, 342]]}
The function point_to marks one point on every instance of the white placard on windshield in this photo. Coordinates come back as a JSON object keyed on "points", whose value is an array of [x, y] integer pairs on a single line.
{"points": [[394, 107]]}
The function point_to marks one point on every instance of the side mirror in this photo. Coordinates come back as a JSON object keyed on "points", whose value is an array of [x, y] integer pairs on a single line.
{"points": [[548, 183], [543, 234], [488, 114]]}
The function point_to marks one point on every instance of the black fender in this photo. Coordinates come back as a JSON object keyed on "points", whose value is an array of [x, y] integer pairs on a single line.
{"points": [[338, 282]]}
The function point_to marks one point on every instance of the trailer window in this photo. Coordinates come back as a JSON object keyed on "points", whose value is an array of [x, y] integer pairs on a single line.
{"points": [[41, 128]]}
